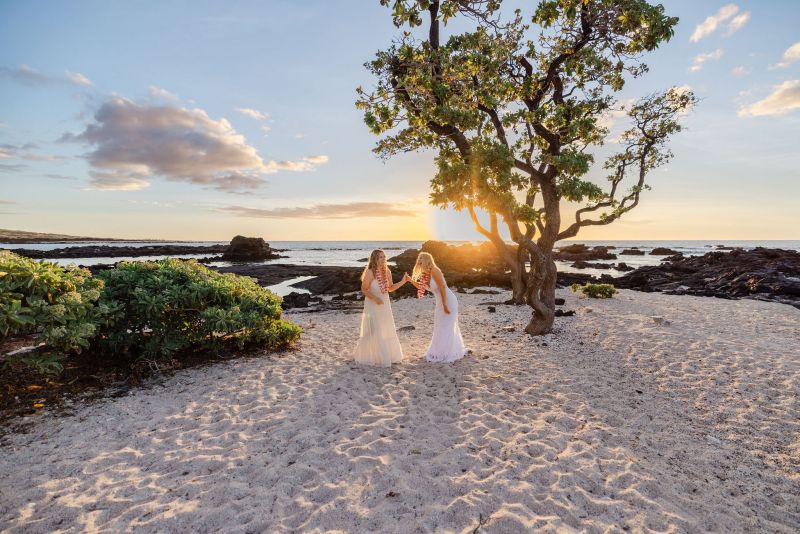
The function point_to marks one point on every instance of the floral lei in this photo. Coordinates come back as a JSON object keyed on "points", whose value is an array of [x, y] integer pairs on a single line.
{"points": [[380, 276], [424, 283]]}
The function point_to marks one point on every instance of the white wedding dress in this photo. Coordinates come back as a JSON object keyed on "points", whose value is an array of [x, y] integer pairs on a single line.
{"points": [[378, 344], [447, 345]]}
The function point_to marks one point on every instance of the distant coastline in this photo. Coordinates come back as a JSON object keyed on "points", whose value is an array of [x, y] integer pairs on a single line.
{"points": [[21, 237]]}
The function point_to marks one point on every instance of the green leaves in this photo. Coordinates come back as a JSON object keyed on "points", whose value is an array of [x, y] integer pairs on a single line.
{"points": [[165, 307], [514, 104], [595, 291], [58, 302], [154, 309]]}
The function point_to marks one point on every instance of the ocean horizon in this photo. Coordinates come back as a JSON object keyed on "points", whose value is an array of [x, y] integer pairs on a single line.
{"points": [[351, 253]]}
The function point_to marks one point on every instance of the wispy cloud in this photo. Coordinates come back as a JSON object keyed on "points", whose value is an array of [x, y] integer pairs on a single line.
{"points": [[33, 78], [78, 79], [134, 142], [24, 75], [783, 99], [351, 210], [737, 23], [12, 167], [791, 55], [9, 151], [711, 23], [700, 59], [740, 71], [159, 92], [155, 203], [253, 113]]}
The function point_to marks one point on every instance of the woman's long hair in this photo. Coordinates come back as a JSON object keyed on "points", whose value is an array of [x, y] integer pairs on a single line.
{"points": [[425, 264], [372, 264]]}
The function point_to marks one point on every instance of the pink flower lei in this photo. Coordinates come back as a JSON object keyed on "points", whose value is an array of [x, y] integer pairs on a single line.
{"points": [[383, 282], [424, 283]]}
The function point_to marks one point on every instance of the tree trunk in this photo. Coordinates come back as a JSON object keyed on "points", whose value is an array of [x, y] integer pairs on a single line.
{"points": [[519, 287], [542, 296]]}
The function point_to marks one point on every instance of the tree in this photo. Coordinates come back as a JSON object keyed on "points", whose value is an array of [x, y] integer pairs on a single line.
{"points": [[515, 109]]}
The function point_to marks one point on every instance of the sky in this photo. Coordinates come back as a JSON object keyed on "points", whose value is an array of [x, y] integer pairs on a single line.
{"points": [[202, 120]]}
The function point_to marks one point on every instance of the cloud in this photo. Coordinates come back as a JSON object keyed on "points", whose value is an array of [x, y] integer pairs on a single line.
{"points": [[697, 62], [24, 75], [791, 55], [784, 98], [8, 151], [349, 210], [299, 135], [33, 78], [316, 160], [30, 156], [308, 163], [156, 203], [58, 176], [737, 23], [78, 79], [159, 92], [253, 113], [12, 167], [710, 25], [740, 71], [8, 202], [134, 142], [117, 181]]}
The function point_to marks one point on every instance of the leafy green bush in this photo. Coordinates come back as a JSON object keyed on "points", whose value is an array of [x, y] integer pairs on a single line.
{"points": [[595, 291], [57, 303], [158, 309]]}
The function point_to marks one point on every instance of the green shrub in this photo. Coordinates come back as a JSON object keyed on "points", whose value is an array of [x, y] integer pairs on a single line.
{"points": [[158, 309], [595, 291], [57, 303]]}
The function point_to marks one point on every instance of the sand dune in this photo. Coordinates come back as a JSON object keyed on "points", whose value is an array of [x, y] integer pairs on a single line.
{"points": [[617, 421]]}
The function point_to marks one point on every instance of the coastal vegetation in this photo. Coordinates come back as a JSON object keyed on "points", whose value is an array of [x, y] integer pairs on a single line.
{"points": [[595, 291], [159, 310]]}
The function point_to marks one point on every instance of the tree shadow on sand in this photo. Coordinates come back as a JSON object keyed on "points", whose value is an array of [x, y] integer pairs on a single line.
{"points": [[580, 434]]}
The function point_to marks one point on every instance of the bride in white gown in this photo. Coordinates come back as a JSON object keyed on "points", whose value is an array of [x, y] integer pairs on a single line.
{"points": [[378, 344], [447, 345]]}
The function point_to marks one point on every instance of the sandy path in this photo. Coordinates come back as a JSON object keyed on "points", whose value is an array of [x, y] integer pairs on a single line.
{"points": [[616, 422]]}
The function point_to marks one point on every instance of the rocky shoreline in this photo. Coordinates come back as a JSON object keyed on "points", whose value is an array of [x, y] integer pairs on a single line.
{"points": [[761, 273], [730, 273], [121, 251]]}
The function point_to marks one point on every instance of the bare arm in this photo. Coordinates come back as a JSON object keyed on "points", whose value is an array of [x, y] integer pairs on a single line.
{"points": [[396, 285], [440, 284], [365, 284], [413, 282]]}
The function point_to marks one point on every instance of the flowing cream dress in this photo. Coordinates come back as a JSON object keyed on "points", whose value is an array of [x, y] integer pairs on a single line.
{"points": [[447, 345], [378, 344]]}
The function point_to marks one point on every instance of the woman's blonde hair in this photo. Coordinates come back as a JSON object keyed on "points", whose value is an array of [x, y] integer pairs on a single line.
{"points": [[424, 263], [372, 264]]}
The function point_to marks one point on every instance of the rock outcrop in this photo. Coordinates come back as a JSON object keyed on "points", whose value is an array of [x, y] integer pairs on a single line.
{"points": [[248, 249], [761, 273]]}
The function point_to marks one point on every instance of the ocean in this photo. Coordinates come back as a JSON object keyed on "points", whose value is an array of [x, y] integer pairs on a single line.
{"points": [[350, 253]]}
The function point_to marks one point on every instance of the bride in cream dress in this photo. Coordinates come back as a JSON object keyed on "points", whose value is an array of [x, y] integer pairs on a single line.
{"points": [[378, 343]]}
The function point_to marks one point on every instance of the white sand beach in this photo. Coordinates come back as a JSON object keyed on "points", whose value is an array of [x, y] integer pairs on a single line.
{"points": [[615, 422]]}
